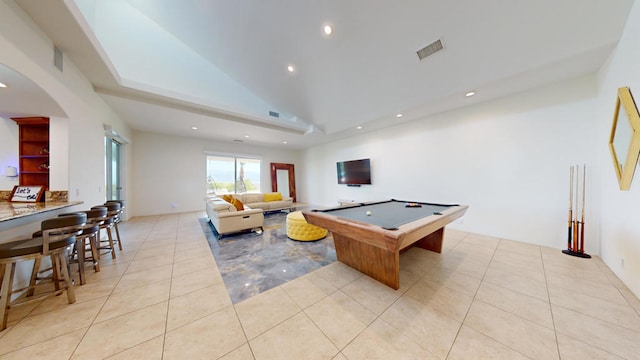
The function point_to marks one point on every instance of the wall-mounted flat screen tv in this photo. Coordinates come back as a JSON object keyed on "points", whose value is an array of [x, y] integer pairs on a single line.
{"points": [[354, 172]]}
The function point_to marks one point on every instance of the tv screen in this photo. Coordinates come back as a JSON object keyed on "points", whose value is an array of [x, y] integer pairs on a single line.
{"points": [[354, 172]]}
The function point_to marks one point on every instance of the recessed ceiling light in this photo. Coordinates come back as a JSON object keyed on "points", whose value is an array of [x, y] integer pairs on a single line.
{"points": [[359, 127], [2, 85], [470, 93], [194, 128], [284, 142], [327, 29], [246, 136], [290, 68], [398, 115]]}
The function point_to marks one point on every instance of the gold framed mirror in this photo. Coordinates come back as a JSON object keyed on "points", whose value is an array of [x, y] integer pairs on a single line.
{"points": [[624, 141]]}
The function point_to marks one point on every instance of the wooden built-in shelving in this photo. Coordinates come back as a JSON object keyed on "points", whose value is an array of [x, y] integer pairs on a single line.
{"points": [[33, 146]]}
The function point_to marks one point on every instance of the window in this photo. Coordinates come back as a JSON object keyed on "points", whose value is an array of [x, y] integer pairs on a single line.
{"points": [[232, 175]]}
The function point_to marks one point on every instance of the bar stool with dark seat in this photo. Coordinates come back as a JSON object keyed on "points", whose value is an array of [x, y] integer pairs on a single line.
{"points": [[118, 219], [113, 210], [90, 231], [89, 236], [58, 235]]}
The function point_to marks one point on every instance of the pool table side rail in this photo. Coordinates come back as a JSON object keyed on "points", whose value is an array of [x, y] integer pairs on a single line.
{"points": [[359, 204], [370, 234], [419, 229], [390, 240]]}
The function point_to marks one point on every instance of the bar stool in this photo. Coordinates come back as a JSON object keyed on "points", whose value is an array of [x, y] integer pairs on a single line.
{"points": [[58, 235], [90, 231], [118, 219], [113, 210]]}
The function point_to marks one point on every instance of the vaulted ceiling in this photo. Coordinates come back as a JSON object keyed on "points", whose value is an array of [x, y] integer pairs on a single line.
{"points": [[221, 66]]}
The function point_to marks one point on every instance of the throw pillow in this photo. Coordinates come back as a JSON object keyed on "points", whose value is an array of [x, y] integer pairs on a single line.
{"points": [[272, 196], [237, 203], [227, 198]]}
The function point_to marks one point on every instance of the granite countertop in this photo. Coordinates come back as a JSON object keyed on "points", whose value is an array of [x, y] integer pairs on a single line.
{"points": [[15, 210]]}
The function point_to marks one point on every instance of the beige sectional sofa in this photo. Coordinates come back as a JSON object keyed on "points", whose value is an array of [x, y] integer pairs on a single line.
{"points": [[257, 201], [226, 218]]}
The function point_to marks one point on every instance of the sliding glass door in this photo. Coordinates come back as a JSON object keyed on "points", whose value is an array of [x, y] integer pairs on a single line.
{"points": [[113, 170]]}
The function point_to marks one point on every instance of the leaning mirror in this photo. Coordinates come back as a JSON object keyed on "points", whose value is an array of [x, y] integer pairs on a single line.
{"points": [[624, 141]]}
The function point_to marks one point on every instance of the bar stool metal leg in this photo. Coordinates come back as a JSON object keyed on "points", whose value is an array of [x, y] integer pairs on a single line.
{"points": [[95, 252], [113, 248], [8, 272], [34, 276], [79, 249], [64, 268], [115, 225]]}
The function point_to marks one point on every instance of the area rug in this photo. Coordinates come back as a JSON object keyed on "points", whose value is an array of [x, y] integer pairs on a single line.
{"points": [[251, 262]]}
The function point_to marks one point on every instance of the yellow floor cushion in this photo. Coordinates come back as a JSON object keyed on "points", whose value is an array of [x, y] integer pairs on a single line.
{"points": [[299, 229]]}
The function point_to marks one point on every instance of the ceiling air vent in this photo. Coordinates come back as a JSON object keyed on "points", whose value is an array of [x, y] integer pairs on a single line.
{"points": [[274, 114], [430, 49], [57, 58]]}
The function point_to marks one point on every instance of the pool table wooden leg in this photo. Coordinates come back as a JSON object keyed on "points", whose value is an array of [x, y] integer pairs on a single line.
{"points": [[380, 264], [432, 241]]}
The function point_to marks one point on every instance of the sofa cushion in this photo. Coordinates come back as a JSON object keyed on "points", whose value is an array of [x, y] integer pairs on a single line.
{"points": [[252, 198], [261, 205], [237, 203], [276, 196]]}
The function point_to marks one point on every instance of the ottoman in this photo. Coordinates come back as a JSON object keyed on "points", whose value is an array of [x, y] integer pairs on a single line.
{"points": [[299, 229]]}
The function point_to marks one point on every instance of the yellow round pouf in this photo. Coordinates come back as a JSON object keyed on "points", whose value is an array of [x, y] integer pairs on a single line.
{"points": [[299, 229]]}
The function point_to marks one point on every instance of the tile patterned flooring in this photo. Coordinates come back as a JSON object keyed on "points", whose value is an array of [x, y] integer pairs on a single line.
{"points": [[483, 298]]}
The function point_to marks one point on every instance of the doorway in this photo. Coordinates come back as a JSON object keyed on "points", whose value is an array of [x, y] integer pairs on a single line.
{"points": [[283, 179], [113, 169]]}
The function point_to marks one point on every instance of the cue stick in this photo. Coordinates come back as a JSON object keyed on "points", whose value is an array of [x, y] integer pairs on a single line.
{"points": [[569, 224], [584, 176], [575, 221]]}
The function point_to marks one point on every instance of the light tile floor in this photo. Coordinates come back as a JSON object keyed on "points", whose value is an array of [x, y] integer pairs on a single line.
{"points": [[483, 298]]}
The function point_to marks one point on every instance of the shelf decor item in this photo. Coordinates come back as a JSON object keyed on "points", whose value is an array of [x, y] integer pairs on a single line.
{"points": [[624, 141], [43, 167], [11, 171]]}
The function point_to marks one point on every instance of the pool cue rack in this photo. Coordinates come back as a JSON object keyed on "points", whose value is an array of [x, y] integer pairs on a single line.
{"points": [[575, 223]]}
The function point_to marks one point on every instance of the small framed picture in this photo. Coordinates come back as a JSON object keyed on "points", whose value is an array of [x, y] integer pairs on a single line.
{"points": [[27, 194]]}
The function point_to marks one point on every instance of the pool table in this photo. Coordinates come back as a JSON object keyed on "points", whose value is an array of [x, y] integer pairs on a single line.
{"points": [[370, 236]]}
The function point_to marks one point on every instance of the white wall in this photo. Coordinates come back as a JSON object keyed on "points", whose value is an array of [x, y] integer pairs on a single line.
{"points": [[8, 151], [507, 159], [171, 170], [619, 211], [59, 153]]}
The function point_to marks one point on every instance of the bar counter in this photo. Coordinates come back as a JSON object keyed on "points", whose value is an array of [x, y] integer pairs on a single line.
{"points": [[13, 210]]}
